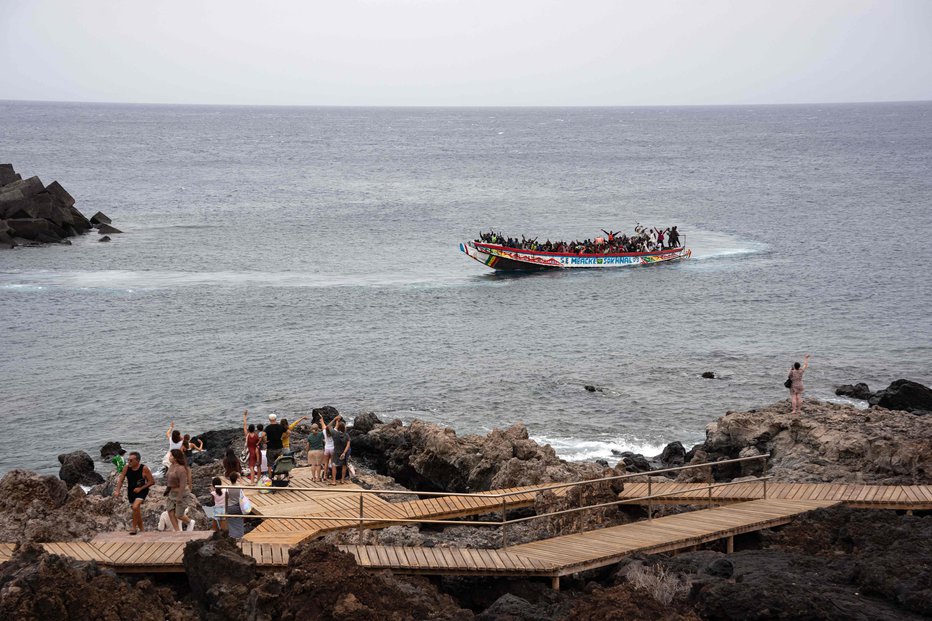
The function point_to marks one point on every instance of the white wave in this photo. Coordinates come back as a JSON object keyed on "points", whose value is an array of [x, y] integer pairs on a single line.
{"points": [[130, 281], [711, 245], [858, 403], [575, 449]]}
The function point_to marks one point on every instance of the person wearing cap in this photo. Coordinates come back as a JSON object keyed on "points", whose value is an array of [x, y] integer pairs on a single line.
{"points": [[273, 434]]}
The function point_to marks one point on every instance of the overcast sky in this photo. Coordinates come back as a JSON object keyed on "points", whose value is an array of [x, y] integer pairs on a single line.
{"points": [[466, 52]]}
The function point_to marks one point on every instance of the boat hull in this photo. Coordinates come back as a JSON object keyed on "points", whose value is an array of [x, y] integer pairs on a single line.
{"points": [[511, 259]]}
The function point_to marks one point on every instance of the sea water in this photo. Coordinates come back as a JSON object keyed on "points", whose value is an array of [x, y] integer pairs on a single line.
{"points": [[279, 259]]}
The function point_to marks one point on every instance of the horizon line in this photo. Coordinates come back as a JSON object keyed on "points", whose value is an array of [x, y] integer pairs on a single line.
{"points": [[450, 106]]}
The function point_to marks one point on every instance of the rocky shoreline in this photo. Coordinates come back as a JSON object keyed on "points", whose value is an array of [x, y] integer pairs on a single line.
{"points": [[836, 563]]}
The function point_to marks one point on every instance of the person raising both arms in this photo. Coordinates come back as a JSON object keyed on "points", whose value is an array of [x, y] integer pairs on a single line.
{"points": [[796, 385], [138, 481]]}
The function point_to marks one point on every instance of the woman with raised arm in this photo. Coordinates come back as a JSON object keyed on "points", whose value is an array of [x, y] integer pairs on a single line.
{"points": [[252, 448], [796, 385]]}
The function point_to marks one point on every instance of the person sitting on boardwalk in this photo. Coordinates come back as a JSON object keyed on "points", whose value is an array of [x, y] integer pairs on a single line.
{"points": [[138, 481], [796, 385], [341, 444], [177, 480], [315, 452]]}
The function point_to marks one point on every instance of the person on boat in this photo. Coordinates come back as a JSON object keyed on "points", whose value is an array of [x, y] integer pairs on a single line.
{"points": [[796, 385], [252, 448], [138, 481]]}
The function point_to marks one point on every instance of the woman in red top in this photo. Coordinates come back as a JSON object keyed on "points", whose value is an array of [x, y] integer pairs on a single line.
{"points": [[252, 448]]}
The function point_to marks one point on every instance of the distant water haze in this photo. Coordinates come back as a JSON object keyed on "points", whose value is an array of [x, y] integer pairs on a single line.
{"points": [[279, 259]]}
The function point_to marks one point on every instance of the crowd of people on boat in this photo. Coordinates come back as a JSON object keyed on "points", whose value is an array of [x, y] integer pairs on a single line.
{"points": [[643, 239]]}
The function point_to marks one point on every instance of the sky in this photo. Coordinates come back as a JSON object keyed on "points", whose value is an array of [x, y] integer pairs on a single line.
{"points": [[466, 52]]}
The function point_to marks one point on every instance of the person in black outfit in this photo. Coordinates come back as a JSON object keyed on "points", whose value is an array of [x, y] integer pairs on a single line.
{"points": [[138, 481], [273, 436]]}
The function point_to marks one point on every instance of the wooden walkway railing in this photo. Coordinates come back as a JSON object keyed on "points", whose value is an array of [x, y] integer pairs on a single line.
{"points": [[560, 556]]}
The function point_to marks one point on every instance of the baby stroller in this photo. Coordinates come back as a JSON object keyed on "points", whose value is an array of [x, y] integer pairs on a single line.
{"points": [[281, 469]]}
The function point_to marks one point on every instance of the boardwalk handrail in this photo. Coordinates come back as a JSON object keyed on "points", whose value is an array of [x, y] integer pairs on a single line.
{"points": [[361, 520], [492, 494]]}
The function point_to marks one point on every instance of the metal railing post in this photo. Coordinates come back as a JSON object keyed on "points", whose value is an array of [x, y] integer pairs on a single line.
{"points": [[765, 489], [710, 495], [361, 516], [504, 526], [650, 500]]}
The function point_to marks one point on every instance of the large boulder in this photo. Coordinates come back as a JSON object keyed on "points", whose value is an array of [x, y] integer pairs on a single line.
{"points": [[904, 395], [828, 443], [425, 456], [100, 218], [7, 174], [110, 449], [328, 412], [106, 229], [673, 455], [858, 391], [217, 442], [24, 188], [21, 488], [60, 194], [37, 229], [219, 575], [77, 468], [364, 423]]}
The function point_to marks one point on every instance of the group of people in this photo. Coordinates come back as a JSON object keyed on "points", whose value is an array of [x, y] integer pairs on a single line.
{"points": [[266, 443], [642, 240]]}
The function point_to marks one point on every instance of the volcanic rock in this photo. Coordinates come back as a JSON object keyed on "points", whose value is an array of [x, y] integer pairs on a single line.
{"points": [[425, 456], [828, 443], [106, 229], [105, 238], [219, 575], [673, 455], [364, 423], [708, 375], [858, 391], [100, 218], [78, 468], [328, 412], [217, 442], [110, 449], [35, 585], [904, 395], [7, 174]]}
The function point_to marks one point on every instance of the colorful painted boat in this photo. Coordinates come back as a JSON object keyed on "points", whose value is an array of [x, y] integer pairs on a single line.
{"points": [[512, 259]]}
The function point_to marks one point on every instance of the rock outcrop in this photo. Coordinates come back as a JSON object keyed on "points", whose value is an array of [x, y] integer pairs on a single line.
{"points": [[425, 456], [35, 585], [32, 213], [77, 468], [904, 395], [858, 391], [828, 443]]}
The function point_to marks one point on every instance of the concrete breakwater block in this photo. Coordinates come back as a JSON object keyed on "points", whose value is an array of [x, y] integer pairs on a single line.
{"points": [[32, 212]]}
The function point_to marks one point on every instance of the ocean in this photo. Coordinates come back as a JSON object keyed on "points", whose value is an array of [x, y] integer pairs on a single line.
{"points": [[284, 258]]}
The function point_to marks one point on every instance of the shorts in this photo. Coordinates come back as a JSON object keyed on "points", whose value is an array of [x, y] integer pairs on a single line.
{"points": [[339, 460], [328, 452], [132, 497], [271, 455], [315, 458], [177, 502]]}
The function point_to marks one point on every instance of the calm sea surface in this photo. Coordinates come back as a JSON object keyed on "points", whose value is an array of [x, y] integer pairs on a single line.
{"points": [[279, 259]]}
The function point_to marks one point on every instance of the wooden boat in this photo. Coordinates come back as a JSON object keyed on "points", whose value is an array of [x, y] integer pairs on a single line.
{"points": [[513, 259]]}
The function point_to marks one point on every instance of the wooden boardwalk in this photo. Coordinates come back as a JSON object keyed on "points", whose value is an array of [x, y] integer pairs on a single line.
{"points": [[269, 542], [904, 497], [326, 502], [560, 556]]}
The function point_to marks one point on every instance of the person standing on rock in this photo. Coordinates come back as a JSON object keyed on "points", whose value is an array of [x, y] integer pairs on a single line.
{"points": [[175, 441], [177, 481], [796, 385], [138, 481], [341, 445]]}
